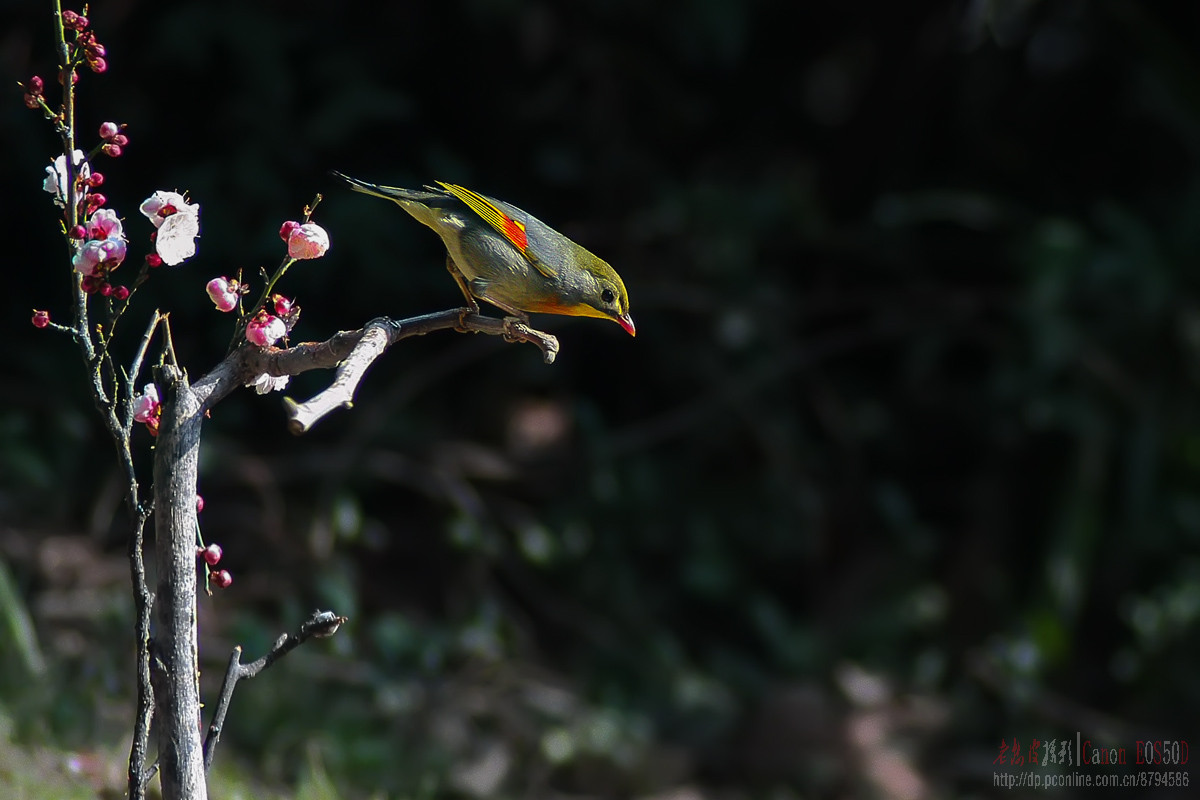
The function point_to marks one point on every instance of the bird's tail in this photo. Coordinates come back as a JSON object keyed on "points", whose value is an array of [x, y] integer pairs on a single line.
{"points": [[424, 196]]}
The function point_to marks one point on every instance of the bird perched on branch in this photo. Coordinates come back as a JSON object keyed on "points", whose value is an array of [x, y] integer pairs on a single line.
{"points": [[499, 253]]}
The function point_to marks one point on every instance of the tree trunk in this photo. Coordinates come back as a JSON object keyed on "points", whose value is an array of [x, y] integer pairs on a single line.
{"points": [[176, 669]]}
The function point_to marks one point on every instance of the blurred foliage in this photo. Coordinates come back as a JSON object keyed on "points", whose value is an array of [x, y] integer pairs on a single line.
{"points": [[903, 461]]}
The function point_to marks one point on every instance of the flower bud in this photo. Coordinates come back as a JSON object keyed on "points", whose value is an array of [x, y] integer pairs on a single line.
{"points": [[308, 241], [36, 85], [212, 555], [31, 100], [265, 329], [111, 150], [98, 65], [121, 292], [222, 579], [223, 294], [41, 318], [153, 260], [285, 232], [78, 232], [120, 139], [108, 130]]}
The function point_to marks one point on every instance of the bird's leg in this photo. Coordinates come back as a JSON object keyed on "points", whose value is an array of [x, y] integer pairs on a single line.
{"points": [[516, 318], [472, 306]]}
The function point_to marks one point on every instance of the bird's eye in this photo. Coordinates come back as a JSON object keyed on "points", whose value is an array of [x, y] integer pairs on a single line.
{"points": [[607, 296]]}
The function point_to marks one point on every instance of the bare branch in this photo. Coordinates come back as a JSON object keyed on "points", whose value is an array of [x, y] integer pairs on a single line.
{"points": [[352, 352], [320, 625], [378, 335]]}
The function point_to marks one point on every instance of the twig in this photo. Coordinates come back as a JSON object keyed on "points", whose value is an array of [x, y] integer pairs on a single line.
{"points": [[320, 625], [143, 600]]}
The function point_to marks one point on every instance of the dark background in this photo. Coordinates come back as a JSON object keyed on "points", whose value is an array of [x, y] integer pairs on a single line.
{"points": [[902, 463]]}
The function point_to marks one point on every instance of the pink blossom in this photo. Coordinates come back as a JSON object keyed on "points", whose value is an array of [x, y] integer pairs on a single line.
{"points": [[223, 293], [105, 224], [146, 405], [99, 256], [283, 306], [265, 329], [308, 241], [109, 130], [105, 247], [56, 176]]}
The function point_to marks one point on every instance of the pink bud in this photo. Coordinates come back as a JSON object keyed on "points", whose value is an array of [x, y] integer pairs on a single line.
{"points": [[199, 504], [41, 318], [212, 555], [108, 130], [74, 77], [308, 241], [31, 100], [98, 65], [223, 294], [153, 260], [283, 306], [265, 329], [106, 289], [222, 579], [285, 232], [111, 150], [121, 292], [78, 232], [36, 85], [90, 284], [120, 139], [69, 18], [95, 179]]}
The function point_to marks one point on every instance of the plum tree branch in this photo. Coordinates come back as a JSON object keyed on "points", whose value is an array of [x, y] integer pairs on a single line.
{"points": [[320, 625], [351, 352]]}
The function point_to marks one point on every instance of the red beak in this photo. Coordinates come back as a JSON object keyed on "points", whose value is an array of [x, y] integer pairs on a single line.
{"points": [[626, 322]]}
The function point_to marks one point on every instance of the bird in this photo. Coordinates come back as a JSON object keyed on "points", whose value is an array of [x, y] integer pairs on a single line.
{"points": [[510, 258]]}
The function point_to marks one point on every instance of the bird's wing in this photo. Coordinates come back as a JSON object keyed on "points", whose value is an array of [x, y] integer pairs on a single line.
{"points": [[511, 229]]}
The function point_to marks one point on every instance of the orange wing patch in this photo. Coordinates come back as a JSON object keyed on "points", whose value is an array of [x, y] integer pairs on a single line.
{"points": [[505, 225], [515, 233]]}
